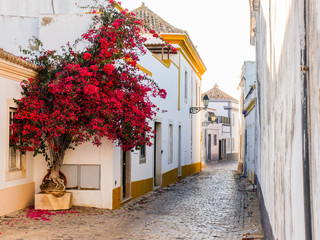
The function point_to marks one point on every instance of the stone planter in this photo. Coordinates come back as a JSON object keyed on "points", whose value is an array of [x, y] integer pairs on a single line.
{"points": [[45, 201]]}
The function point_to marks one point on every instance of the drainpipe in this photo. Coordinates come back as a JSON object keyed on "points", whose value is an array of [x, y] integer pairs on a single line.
{"points": [[305, 130], [52, 5]]}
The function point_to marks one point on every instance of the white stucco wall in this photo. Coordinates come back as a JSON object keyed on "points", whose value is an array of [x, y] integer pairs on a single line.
{"points": [[213, 129], [10, 89], [280, 115], [314, 97]]}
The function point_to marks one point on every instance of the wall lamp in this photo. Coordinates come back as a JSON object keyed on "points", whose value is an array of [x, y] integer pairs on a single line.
{"points": [[205, 100]]}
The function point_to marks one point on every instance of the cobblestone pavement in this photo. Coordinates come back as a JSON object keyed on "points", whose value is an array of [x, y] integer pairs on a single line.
{"points": [[213, 204]]}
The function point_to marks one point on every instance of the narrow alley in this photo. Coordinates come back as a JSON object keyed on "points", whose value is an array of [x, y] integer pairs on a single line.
{"points": [[213, 204]]}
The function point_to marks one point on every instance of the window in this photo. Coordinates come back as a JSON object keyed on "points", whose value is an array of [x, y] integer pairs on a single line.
{"points": [[82, 177], [197, 103], [16, 161], [15, 156], [170, 147], [215, 139], [142, 158], [185, 86], [232, 144]]}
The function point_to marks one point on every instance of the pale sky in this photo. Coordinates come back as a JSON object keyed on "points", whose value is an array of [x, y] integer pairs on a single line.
{"points": [[219, 29]]}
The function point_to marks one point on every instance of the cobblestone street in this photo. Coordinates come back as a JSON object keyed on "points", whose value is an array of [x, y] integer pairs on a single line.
{"points": [[213, 204]]}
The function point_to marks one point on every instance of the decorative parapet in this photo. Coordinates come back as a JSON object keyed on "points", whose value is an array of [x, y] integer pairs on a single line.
{"points": [[16, 68], [17, 60]]}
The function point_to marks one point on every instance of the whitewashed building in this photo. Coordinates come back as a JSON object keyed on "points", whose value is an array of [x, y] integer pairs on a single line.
{"points": [[248, 131], [286, 37], [106, 177], [16, 171], [210, 136], [227, 116]]}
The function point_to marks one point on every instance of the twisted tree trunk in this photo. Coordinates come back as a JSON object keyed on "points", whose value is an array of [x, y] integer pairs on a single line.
{"points": [[54, 184]]}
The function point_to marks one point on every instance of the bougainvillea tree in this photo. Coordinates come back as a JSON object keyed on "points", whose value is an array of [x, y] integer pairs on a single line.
{"points": [[86, 95]]}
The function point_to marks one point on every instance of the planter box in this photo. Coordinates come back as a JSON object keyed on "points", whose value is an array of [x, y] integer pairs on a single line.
{"points": [[49, 202]]}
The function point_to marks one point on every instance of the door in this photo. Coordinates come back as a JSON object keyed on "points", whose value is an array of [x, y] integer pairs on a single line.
{"points": [[209, 147], [179, 153], [157, 155], [220, 149], [126, 175]]}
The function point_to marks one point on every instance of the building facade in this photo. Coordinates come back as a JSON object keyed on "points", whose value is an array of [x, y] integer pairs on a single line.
{"points": [[227, 118], [107, 177], [286, 36], [248, 132], [210, 136], [16, 170]]}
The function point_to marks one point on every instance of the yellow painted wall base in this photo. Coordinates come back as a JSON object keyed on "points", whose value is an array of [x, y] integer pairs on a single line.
{"points": [[116, 198], [252, 177], [15, 198], [190, 169], [170, 177], [141, 187]]}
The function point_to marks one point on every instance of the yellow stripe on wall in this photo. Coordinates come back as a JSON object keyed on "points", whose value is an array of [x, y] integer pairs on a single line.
{"points": [[143, 69], [190, 169], [16, 198], [141, 187], [170, 177], [116, 198]]}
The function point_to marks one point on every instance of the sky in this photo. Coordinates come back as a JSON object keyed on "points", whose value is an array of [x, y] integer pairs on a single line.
{"points": [[218, 29]]}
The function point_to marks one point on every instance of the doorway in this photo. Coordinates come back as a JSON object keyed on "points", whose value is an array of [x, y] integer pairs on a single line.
{"points": [[157, 155], [179, 153], [209, 146], [126, 175]]}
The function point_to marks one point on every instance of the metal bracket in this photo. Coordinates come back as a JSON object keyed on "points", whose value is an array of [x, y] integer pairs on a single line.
{"points": [[194, 110]]}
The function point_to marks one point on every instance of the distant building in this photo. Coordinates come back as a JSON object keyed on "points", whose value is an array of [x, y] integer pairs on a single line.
{"points": [[248, 130], [210, 136], [227, 117]]}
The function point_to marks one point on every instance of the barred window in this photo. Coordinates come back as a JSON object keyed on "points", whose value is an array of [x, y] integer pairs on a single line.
{"points": [[14, 154]]}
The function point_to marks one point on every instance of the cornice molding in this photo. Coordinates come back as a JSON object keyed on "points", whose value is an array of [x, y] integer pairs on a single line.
{"points": [[15, 72], [17, 60], [188, 48]]}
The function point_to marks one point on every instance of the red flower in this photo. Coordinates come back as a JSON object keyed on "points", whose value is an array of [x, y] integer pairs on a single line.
{"points": [[90, 89], [94, 68], [108, 69], [87, 56], [162, 93]]}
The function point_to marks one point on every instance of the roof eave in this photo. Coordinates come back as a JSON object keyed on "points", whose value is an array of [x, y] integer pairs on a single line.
{"points": [[184, 41]]}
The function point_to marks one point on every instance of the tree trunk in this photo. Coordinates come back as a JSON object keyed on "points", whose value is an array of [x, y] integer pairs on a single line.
{"points": [[54, 184]]}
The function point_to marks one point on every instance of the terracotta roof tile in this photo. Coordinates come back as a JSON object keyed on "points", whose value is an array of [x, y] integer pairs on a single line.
{"points": [[154, 21], [17, 60], [216, 93]]}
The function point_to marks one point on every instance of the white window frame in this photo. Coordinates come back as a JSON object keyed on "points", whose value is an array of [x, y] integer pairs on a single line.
{"points": [[20, 171], [78, 168]]}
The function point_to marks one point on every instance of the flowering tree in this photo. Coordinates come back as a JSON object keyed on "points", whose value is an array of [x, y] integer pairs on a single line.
{"points": [[82, 96]]}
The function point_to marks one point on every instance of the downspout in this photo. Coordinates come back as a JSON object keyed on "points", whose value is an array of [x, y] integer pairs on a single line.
{"points": [[305, 128], [52, 5]]}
